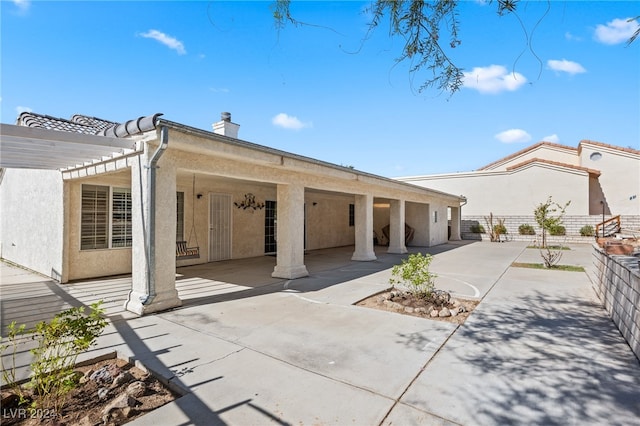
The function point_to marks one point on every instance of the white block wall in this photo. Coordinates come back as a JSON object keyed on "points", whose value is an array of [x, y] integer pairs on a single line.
{"points": [[618, 287]]}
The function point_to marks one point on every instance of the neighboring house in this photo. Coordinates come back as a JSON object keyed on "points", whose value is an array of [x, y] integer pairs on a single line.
{"points": [[86, 197], [599, 179]]}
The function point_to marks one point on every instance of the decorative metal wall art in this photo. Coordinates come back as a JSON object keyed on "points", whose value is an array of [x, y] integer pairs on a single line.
{"points": [[249, 203]]}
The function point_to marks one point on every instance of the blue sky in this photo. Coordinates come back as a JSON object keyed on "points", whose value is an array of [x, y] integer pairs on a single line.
{"points": [[321, 90]]}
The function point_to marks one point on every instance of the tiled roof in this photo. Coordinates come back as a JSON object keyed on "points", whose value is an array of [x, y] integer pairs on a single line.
{"points": [[606, 145], [89, 125], [525, 150], [555, 163]]}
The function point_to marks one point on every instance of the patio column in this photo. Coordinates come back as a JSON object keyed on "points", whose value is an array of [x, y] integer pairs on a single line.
{"points": [[290, 232], [396, 227], [153, 282], [364, 228], [455, 224]]}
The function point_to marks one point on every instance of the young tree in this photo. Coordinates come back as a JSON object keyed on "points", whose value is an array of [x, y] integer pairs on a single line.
{"points": [[549, 215]]}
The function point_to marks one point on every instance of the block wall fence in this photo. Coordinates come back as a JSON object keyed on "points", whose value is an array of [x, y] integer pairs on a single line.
{"points": [[617, 284], [571, 223]]}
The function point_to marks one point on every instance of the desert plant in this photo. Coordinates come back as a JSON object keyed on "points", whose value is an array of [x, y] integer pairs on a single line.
{"points": [[557, 230], [549, 215], [59, 342], [526, 229], [493, 234], [500, 228], [587, 231], [9, 377], [414, 274], [477, 228]]}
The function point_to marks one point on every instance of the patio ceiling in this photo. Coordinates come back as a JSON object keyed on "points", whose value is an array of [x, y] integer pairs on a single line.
{"points": [[34, 148]]}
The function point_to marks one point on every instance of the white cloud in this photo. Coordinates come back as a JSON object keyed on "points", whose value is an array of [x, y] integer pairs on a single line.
{"points": [[493, 79], [551, 138], [23, 5], [616, 31], [21, 109], [513, 136], [287, 121], [569, 67], [167, 40], [572, 37]]}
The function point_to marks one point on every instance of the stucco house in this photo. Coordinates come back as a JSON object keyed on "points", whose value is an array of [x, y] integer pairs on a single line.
{"points": [[599, 179], [87, 197]]}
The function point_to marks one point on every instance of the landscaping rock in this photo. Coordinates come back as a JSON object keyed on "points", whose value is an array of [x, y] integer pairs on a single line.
{"points": [[102, 393], [121, 401], [122, 378], [434, 313], [408, 309], [444, 312], [136, 389]]}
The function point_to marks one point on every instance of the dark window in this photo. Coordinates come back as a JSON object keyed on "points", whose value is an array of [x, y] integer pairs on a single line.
{"points": [[180, 216], [352, 214]]}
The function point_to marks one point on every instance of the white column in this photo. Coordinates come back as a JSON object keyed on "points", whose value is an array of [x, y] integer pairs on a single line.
{"points": [[290, 231], [153, 283], [396, 227], [364, 228], [455, 224]]}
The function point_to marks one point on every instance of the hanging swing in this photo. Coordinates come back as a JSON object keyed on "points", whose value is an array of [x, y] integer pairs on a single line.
{"points": [[183, 251]]}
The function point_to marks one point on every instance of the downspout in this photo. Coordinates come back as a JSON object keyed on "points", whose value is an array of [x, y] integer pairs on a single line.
{"points": [[151, 228]]}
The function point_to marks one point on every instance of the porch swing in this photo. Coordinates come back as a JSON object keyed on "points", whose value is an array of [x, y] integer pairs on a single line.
{"points": [[183, 251]]}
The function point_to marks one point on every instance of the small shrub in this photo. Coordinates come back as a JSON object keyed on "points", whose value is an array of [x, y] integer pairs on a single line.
{"points": [[59, 342], [477, 229], [500, 229], [557, 230], [526, 229], [587, 231], [413, 273]]}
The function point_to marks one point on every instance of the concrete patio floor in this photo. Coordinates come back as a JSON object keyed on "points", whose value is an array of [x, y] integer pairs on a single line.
{"points": [[249, 349]]}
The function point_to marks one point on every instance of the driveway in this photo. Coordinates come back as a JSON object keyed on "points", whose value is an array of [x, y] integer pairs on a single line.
{"points": [[538, 349]]}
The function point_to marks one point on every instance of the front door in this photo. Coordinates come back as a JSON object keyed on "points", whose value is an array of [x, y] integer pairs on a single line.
{"points": [[219, 227]]}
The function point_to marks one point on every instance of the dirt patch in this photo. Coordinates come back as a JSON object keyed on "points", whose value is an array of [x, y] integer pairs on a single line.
{"points": [[441, 307], [84, 405]]}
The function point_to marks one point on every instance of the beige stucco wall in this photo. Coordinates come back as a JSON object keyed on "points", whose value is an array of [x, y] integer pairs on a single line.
{"points": [[619, 179], [81, 264], [328, 220], [516, 192], [31, 219]]}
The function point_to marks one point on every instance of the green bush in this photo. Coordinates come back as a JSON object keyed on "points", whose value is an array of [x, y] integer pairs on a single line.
{"points": [[526, 229], [477, 229], [557, 230], [414, 274], [500, 229], [587, 231], [59, 342]]}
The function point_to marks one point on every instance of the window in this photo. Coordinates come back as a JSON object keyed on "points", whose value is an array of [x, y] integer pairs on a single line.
{"points": [[121, 218], [179, 216], [352, 214], [105, 220], [94, 217]]}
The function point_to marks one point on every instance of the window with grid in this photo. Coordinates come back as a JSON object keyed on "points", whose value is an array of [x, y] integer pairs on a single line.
{"points": [[121, 218], [180, 216], [94, 229]]}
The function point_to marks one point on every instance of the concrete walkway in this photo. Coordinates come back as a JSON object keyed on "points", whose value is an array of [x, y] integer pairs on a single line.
{"points": [[253, 350]]}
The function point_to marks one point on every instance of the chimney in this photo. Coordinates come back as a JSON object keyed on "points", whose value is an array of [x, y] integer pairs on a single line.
{"points": [[225, 127]]}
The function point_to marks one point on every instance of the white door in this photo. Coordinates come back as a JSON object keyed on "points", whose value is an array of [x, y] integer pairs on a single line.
{"points": [[219, 227]]}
